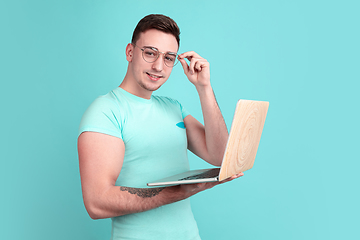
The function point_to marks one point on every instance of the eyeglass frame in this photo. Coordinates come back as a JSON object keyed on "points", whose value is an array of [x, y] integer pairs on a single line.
{"points": [[157, 50]]}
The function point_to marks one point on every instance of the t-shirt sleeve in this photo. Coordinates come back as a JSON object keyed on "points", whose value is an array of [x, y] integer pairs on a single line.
{"points": [[184, 112], [102, 116]]}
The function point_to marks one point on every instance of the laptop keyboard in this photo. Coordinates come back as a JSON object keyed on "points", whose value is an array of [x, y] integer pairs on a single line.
{"points": [[208, 174]]}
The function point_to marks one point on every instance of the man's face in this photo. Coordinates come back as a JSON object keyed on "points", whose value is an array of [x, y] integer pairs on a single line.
{"points": [[150, 76]]}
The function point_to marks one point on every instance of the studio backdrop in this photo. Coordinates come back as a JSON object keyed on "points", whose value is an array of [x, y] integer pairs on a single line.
{"points": [[56, 57]]}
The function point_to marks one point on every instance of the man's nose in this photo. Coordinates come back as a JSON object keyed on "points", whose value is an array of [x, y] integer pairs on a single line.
{"points": [[158, 65]]}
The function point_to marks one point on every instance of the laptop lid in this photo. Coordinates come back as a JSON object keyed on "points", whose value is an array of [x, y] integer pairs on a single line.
{"points": [[244, 137], [241, 148]]}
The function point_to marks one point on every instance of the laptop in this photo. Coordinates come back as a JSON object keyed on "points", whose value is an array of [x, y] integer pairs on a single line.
{"points": [[241, 147]]}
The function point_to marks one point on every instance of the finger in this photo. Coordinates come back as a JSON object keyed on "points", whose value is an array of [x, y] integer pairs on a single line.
{"points": [[192, 66], [199, 65], [184, 65], [189, 55], [238, 175], [225, 180], [235, 176], [232, 177], [196, 64]]}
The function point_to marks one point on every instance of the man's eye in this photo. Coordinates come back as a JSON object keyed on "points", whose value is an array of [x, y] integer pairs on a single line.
{"points": [[170, 58], [149, 53]]}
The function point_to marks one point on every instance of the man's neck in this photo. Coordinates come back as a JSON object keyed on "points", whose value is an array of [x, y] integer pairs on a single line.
{"points": [[131, 86]]}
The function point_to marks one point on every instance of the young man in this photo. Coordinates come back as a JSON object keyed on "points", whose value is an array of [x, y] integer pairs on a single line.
{"points": [[130, 137]]}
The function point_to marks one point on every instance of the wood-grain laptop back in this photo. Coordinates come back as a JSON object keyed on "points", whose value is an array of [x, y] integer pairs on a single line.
{"points": [[244, 138]]}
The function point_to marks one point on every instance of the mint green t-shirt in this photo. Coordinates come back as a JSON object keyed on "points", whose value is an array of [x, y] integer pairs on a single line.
{"points": [[155, 141]]}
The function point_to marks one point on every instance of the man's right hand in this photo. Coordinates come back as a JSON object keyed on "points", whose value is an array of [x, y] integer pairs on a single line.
{"points": [[191, 189]]}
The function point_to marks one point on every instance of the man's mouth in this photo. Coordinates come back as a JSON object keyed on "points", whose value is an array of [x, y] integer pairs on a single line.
{"points": [[154, 77]]}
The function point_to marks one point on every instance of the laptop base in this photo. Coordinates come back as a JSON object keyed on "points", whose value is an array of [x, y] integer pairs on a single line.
{"points": [[189, 177]]}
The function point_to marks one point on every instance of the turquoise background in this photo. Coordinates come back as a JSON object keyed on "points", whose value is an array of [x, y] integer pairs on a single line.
{"points": [[56, 57]]}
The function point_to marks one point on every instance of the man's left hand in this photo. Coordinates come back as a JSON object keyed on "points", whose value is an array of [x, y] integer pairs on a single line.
{"points": [[198, 71]]}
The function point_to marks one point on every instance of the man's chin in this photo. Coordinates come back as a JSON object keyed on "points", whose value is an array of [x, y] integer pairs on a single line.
{"points": [[149, 87]]}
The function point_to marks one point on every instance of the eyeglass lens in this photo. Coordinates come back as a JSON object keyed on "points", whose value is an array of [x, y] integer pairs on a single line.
{"points": [[151, 55]]}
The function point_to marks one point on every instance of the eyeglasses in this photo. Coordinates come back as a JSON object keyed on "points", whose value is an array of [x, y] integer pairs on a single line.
{"points": [[151, 54]]}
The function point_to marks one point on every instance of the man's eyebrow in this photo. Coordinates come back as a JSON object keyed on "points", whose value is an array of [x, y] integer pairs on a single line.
{"points": [[150, 47], [169, 52]]}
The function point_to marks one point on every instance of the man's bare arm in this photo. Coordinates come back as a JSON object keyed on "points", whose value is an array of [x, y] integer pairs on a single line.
{"points": [[143, 192], [101, 157], [208, 141]]}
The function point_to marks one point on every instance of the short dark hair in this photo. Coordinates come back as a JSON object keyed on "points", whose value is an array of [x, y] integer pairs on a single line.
{"points": [[159, 22]]}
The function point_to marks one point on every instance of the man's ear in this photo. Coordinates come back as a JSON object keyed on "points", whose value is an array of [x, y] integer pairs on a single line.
{"points": [[129, 52]]}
